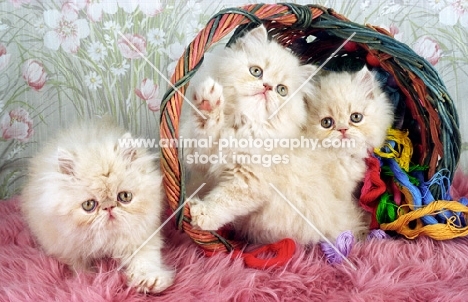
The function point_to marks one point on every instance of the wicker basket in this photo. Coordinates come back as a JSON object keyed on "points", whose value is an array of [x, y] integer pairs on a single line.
{"points": [[431, 120]]}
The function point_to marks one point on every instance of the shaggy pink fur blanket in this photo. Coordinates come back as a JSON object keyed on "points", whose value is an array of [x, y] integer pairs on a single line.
{"points": [[387, 270]]}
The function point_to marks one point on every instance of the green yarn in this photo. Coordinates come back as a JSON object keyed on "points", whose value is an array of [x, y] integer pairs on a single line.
{"points": [[413, 168], [387, 210]]}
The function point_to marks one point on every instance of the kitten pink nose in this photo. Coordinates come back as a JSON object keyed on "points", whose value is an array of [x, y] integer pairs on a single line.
{"points": [[267, 87], [343, 131], [107, 206]]}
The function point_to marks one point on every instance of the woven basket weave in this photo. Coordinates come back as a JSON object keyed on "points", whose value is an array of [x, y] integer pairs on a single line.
{"points": [[435, 133]]}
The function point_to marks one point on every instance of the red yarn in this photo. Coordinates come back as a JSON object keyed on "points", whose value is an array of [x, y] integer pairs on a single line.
{"points": [[350, 46], [283, 251], [372, 189], [372, 60]]}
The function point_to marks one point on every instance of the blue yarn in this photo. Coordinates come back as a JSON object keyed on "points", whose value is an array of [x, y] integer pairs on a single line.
{"points": [[443, 182], [427, 196], [422, 195], [463, 201], [386, 149], [403, 179]]}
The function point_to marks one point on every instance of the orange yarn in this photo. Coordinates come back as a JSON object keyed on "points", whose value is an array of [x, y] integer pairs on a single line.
{"points": [[437, 231]]}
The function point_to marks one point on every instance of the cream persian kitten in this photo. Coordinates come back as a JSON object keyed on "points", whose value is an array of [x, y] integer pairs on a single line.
{"points": [[89, 197], [256, 92], [350, 117], [250, 89]]}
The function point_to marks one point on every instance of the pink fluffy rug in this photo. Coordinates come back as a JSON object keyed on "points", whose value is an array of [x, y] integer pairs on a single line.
{"points": [[387, 270]]}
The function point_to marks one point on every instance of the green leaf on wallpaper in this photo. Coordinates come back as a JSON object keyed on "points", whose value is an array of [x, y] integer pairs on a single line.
{"points": [[6, 187]]}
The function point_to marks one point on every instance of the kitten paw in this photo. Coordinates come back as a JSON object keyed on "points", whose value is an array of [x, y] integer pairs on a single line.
{"points": [[208, 97], [151, 281], [200, 218]]}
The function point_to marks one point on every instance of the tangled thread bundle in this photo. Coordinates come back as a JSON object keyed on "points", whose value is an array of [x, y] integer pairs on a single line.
{"points": [[422, 104], [407, 205]]}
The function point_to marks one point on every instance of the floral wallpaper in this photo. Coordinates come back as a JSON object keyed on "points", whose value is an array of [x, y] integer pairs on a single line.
{"points": [[63, 60]]}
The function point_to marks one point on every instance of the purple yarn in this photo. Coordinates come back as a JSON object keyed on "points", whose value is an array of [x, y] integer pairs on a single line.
{"points": [[392, 82], [344, 244], [377, 234]]}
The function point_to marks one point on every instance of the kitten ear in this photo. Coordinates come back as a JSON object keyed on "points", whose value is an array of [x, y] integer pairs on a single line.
{"points": [[308, 74], [126, 136], [365, 78], [126, 147], [309, 70], [66, 161], [256, 35]]}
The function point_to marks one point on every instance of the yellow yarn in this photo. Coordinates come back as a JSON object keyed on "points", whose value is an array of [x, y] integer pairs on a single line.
{"points": [[404, 150], [437, 231]]}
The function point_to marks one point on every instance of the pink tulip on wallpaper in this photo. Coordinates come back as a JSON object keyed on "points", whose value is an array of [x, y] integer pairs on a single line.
{"points": [[428, 48], [395, 31], [154, 104], [456, 10], [4, 57], [148, 92], [17, 125], [132, 46], [66, 29], [34, 74]]}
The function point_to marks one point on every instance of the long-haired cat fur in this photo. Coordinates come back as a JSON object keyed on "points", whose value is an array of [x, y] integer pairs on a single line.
{"points": [[259, 90], [350, 117], [88, 197]]}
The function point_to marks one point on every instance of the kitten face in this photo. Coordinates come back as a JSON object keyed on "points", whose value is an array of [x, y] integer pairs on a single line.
{"points": [[91, 198], [351, 106], [107, 195], [88, 197], [112, 192], [261, 77]]}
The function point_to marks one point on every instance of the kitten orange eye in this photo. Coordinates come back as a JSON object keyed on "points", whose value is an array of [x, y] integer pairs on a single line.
{"points": [[282, 90], [256, 71], [326, 122], [124, 197], [89, 205], [356, 117]]}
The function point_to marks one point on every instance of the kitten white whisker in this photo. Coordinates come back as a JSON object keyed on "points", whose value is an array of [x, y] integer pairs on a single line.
{"points": [[312, 75], [313, 226], [124, 219], [97, 230]]}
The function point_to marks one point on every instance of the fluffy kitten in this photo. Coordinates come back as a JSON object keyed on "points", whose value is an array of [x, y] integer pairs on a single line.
{"points": [[258, 79], [87, 197], [240, 92], [350, 117]]}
